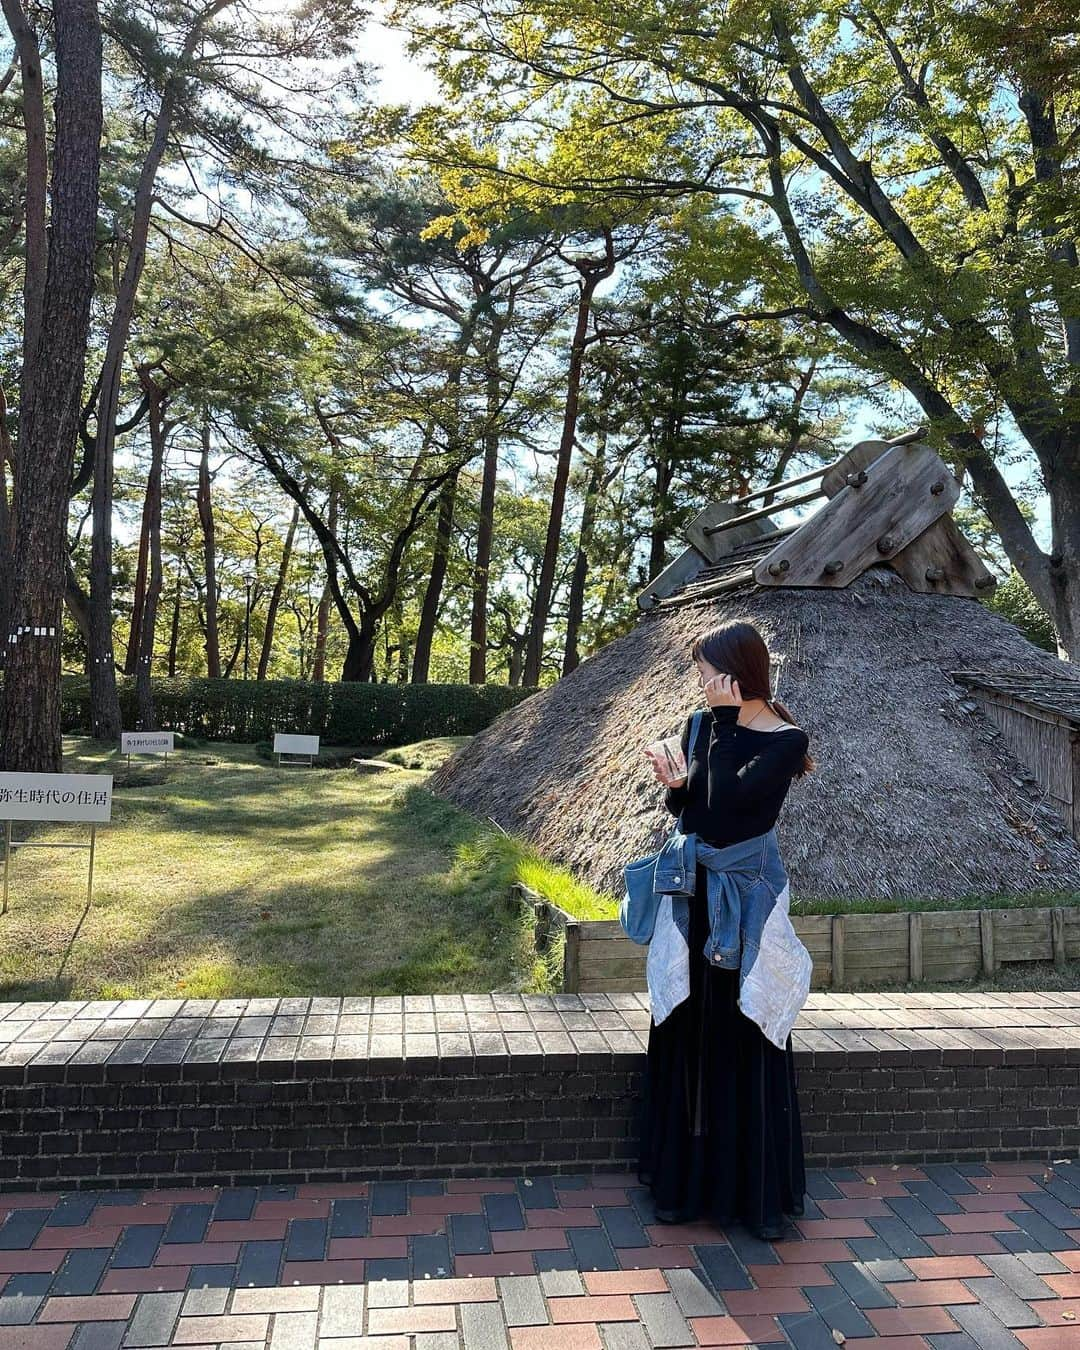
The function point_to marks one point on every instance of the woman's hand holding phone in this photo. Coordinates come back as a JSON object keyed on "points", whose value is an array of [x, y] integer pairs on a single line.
{"points": [[721, 690]]}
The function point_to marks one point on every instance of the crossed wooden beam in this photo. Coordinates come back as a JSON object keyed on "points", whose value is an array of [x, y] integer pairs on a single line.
{"points": [[886, 502]]}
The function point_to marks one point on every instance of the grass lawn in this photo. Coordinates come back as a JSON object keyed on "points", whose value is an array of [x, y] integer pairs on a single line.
{"points": [[223, 875]]}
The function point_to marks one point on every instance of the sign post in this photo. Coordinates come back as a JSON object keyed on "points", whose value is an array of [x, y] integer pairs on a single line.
{"points": [[299, 748], [76, 797], [146, 743]]}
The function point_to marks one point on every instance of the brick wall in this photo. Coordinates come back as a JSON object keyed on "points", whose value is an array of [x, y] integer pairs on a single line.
{"points": [[344, 1121], [114, 1094]]}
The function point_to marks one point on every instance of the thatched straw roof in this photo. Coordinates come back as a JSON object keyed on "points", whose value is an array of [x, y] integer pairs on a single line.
{"points": [[915, 793]]}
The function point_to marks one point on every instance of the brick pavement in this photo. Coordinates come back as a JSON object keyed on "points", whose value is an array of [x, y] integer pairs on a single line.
{"points": [[963, 1256]]}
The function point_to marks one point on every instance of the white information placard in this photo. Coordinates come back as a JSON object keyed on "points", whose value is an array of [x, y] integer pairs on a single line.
{"points": [[56, 796], [285, 743], [146, 742]]}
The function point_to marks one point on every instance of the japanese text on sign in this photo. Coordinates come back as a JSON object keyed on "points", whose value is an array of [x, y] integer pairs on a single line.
{"points": [[56, 796], [146, 742]]}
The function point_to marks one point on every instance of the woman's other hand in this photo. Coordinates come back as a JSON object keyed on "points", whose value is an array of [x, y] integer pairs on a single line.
{"points": [[721, 690]]}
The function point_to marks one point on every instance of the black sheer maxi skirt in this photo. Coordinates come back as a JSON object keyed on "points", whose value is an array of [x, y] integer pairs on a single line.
{"points": [[721, 1134]]}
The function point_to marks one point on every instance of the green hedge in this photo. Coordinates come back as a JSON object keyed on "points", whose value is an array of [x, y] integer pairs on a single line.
{"points": [[341, 714]]}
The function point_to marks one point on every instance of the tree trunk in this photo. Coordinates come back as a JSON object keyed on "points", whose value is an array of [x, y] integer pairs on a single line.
{"points": [[575, 607], [1064, 565], [35, 233], [48, 423], [485, 527], [322, 629], [77, 602], [659, 533], [592, 274], [238, 647], [144, 698], [104, 704], [35, 263], [359, 664], [670, 436], [6, 542], [429, 612], [322, 619], [204, 502], [174, 631], [131, 661], [276, 594]]}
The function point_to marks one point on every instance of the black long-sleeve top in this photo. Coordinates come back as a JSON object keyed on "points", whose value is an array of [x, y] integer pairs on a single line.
{"points": [[737, 779]]}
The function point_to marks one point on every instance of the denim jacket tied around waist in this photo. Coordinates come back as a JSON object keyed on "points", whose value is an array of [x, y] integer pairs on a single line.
{"points": [[750, 929]]}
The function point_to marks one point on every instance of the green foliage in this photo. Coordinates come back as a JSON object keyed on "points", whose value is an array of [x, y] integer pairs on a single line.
{"points": [[899, 178], [1014, 601], [340, 714]]}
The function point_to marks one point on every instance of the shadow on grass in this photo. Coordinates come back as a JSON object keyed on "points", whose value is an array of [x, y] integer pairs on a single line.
{"points": [[430, 915]]}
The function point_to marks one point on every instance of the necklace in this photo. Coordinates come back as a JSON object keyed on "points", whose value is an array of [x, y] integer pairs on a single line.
{"points": [[754, 718]]}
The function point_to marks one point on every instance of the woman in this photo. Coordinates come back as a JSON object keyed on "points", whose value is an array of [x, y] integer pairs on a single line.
{"points": [[721, 1135]]}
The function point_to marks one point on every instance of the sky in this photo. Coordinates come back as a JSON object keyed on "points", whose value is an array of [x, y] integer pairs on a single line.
{"points": [[403, 78]]}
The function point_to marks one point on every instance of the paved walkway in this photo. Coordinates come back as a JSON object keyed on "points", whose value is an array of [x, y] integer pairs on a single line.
{"points": [[963, 1257]]}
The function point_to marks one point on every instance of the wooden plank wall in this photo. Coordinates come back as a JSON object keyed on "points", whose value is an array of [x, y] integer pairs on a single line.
{"points": [[1047, 744], [849, 950]]}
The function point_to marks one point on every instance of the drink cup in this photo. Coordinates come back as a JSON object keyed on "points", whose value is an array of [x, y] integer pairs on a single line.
{"points": [[668, 755]]}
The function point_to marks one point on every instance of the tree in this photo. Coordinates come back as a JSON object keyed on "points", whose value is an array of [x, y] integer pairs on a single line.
{"points": [[58, 288], [220, 79], [592, 270], [392, 236], [276, 595], [901, 173], [157, 398]]}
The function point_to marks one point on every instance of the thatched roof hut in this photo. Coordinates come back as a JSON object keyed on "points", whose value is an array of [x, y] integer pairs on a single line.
{"points": [[916, 793]]}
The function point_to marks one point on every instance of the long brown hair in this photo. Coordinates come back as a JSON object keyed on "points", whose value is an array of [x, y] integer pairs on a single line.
{"points": [[738, 649]]}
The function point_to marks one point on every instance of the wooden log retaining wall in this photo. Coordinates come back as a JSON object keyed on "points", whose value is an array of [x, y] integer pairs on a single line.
{"points": [[848, 950]]}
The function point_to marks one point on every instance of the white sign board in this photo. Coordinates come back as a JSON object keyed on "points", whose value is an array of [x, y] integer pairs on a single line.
{"points": [[287, 744], [56, 796], [146, 742]]}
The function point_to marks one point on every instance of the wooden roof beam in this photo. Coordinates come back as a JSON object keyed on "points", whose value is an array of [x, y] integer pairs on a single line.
{"points": [[905, 489]]}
